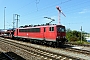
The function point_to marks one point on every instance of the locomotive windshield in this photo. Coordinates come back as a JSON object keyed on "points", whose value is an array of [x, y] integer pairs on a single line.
{"points": [[60, 29]]}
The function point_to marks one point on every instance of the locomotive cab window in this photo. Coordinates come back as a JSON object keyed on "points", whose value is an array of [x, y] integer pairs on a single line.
{"points": [[51, 29], [60, 29]]}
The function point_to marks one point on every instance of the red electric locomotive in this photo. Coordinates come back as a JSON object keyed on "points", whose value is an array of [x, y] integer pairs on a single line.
{"points": [[45, 34]]}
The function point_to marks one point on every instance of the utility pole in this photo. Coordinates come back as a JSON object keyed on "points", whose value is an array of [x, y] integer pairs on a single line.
{"points": [[13, 20], [81, 34], [4, 18], [17, 19]]}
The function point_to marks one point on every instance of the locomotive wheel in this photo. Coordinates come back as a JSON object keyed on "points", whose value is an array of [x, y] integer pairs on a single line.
{"points": [[54, 45], [43, 42], [57, 44], [50, 43]]}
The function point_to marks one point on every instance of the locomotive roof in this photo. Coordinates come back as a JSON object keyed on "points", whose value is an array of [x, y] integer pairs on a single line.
{"points": [[41, 26]]}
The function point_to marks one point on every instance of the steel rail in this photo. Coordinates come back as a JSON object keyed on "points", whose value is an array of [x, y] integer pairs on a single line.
{"points": [[7, 56], [39, 51]]}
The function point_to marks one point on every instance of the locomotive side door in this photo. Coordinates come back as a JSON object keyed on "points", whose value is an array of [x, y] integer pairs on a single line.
{"points": [[44, 33], [17, 33]]}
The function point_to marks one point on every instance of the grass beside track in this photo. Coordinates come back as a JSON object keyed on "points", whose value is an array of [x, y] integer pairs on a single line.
{"points": [[80, 43]]}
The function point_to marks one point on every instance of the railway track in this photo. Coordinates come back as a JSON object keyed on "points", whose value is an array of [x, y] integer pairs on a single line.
{"points": [[78, 50], [85, 45], [37, 52], [4, 56], [10, 56]]}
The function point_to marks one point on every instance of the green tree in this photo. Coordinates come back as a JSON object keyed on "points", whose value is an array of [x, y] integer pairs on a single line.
{"points": [[74, 35]]}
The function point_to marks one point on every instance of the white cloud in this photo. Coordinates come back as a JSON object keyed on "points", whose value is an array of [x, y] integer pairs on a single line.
{"points": [[84, 11]]}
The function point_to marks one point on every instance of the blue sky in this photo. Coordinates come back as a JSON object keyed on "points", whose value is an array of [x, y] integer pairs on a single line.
{"points": [[33, 12]]}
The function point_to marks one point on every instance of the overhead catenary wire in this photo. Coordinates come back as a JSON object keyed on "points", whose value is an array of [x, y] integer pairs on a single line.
{"points": [[51, 6], [45, 8], [37, 2], [22, 7], [65, 8], [48, 7]]}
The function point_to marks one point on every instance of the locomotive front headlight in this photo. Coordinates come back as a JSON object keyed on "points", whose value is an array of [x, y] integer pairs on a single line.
{"points": [[64, 36], [57, 36]]}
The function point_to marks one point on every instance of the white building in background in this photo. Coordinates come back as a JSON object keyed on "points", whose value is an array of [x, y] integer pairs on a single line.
{"points": [[88, 39]]}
